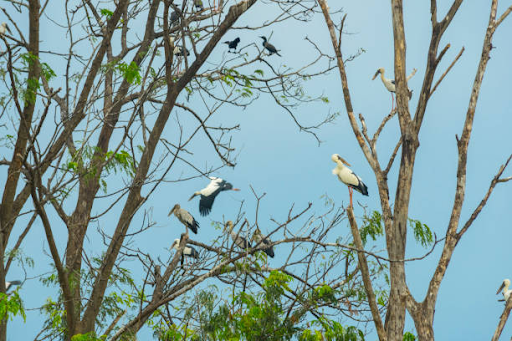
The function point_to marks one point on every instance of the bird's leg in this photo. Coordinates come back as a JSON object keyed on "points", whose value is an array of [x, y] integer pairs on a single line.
{"points": [[392, 101], [350, 193]]}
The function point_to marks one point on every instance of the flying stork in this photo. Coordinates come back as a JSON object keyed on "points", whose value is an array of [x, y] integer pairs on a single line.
{"points": [[270, 48], [506, 291], [264, 243], [390, 83], [239, 240], [185, 218], [209, 193], [188, 251], [348, 177]]}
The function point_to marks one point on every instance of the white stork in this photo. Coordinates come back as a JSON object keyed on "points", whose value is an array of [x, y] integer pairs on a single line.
{"points": [[185, 218], [209, 193], [506, 291], [188, 251], [348, 177], [263, 242], [390, 83], [9, 284], [239, 240]]}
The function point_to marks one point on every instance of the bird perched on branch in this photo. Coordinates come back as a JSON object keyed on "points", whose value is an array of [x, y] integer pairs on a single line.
{"points": [[232, 44], [348, 177], [390, 83], [175, 17], [188, 251], [240, 241], [4, 28], [185, 218], [270, 48], [264, 243], [209, 193], [506, 291], [180, 51]]}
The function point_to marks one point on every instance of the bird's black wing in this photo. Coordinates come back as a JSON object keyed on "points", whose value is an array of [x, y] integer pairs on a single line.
{"points": [[194, 226], [206, 202], [393, 81], [193, 253]]}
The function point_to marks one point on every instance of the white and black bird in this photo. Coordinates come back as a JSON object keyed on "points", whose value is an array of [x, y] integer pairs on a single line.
{"points": [[270, 48], [209, 193], [390, 83], [506, 291], [348, 177], [188, 251], [185, 218], [4, 28], [9, 284], [174, 18], [232, 44], [240, 241], [180, 51], [263, 242]]}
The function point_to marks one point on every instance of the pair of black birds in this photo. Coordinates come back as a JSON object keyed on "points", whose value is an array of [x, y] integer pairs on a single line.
{"points": [[269, 47]]}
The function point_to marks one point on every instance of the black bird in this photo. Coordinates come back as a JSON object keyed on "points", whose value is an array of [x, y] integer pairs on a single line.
{"points": [[175, 17], [9, 284], [209, 193], [232, 44], [270, 48]]}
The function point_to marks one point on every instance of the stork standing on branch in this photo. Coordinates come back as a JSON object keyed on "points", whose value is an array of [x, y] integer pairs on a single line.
{"points": [[264, 243], [269, 47], [348, 177], [188, 250], [185, 218], [390, 83], [506, 291], [240, 241]]}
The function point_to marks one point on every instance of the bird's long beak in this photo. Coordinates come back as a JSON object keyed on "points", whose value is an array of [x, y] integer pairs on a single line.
{"points": [[235, 189], [343, 160], [376, 74], [192, 197], [502, 285]]}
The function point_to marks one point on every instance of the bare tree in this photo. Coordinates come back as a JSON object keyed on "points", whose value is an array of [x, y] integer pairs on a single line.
{"points": [[395, 209]]}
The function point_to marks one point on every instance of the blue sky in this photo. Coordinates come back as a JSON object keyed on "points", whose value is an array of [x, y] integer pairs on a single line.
{"points": [[292, 168]]}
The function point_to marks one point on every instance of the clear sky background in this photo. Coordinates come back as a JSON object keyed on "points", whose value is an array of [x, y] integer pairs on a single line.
{"points": [[288, 165]]}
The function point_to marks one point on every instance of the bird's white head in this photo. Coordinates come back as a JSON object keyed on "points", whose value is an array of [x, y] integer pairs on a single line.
{"points": [[505, 284], [379, 71], [228, 226], [175, 244], [336, 158]]}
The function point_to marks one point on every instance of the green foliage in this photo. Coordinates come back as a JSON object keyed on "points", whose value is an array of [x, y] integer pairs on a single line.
{"points": [[106, 12], [47, 71], [409, 337], [422, 232], [130, 72], [11, 305], [372, 227], [257, 316], [86, 337]]}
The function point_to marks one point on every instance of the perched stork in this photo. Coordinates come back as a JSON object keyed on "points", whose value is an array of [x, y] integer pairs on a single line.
{"points": [[185, 217], [180, 51], [264, 243], [4, 28], [348, 177], [390, 83], [506, 291], [188, 251], [239, 240], [9, 284], [270, 48], [209, 193], [232, 44], [175, 17]]}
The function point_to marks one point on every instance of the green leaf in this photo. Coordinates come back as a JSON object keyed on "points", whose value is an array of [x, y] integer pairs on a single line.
{"points": [[422, 232]]}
